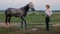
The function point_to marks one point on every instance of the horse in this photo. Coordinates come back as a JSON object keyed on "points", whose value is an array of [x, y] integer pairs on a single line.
{"points": [[21, 12]]}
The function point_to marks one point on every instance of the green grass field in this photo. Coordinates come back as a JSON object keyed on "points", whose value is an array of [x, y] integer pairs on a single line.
{"points": [[31, 19], [34, 18]]}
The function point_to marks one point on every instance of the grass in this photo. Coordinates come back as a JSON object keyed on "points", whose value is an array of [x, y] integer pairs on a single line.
{"points": [[16, 30], [31, 19]]}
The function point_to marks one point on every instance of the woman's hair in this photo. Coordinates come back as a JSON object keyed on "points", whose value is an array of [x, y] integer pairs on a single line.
{"points": [[48, 6]]}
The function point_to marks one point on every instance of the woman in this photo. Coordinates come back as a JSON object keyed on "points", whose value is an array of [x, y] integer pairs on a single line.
{"points": [[48, 13]]}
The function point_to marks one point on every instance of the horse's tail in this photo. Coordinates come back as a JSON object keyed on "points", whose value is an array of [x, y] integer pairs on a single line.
{"points": [[6, 12]]}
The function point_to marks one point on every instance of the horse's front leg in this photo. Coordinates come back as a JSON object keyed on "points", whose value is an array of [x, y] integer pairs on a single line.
{"points": [[21, 23], [25, 24], [23, 20]]}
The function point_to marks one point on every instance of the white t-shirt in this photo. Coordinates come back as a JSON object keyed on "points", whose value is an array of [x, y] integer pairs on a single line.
{"points": [[48, 12]]}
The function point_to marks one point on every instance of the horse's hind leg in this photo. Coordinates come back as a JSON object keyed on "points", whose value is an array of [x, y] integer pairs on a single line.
{"points": [[6, 22], [6, 19], [9, 19]]}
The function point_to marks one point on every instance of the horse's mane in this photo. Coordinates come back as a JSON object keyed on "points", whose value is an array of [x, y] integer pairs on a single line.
{"points": [[26, 7]]}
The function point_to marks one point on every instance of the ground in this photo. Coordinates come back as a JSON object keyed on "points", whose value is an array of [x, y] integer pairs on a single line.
{"points": [[35, 24], [15, 29]]}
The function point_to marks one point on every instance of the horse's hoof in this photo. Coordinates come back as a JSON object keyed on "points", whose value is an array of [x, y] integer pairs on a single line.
{"points": [[6, 27]]}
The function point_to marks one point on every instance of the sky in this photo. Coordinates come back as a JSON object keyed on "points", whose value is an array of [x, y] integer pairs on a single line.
{"points": [[38, 4]]}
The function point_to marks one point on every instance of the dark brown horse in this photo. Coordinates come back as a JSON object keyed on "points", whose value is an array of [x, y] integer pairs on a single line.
{"points": [[21, 12]]}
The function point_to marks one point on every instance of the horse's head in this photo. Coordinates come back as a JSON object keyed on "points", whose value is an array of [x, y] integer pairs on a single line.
{"points": [[31, 6]]}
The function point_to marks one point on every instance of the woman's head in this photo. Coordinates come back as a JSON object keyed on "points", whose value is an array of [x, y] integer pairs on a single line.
{"points": [[47, 6]]}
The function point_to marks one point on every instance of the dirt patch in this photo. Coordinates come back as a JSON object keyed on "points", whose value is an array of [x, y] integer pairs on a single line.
{"points": [[11, 24], [18, 24], [57, 24], [38, 30]]}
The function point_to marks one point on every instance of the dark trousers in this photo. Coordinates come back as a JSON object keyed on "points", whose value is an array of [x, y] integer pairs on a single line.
{"points": [[47, 22]]}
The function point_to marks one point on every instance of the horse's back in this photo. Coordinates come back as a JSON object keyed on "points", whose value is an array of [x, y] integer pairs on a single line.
{"points": [[15, 12]]}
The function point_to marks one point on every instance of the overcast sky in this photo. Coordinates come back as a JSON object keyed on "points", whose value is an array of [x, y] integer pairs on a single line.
{"points": [[38, 4]]}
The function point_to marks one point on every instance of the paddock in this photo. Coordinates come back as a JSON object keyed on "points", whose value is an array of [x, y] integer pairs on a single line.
{"points": [[35, 22]]}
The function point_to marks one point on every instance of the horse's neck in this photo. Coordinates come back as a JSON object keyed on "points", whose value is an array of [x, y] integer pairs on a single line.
{"points": [[26, 8]]}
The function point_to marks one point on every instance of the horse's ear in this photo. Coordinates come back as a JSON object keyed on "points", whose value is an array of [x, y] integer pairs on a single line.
{"points": [[30, 3]]}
